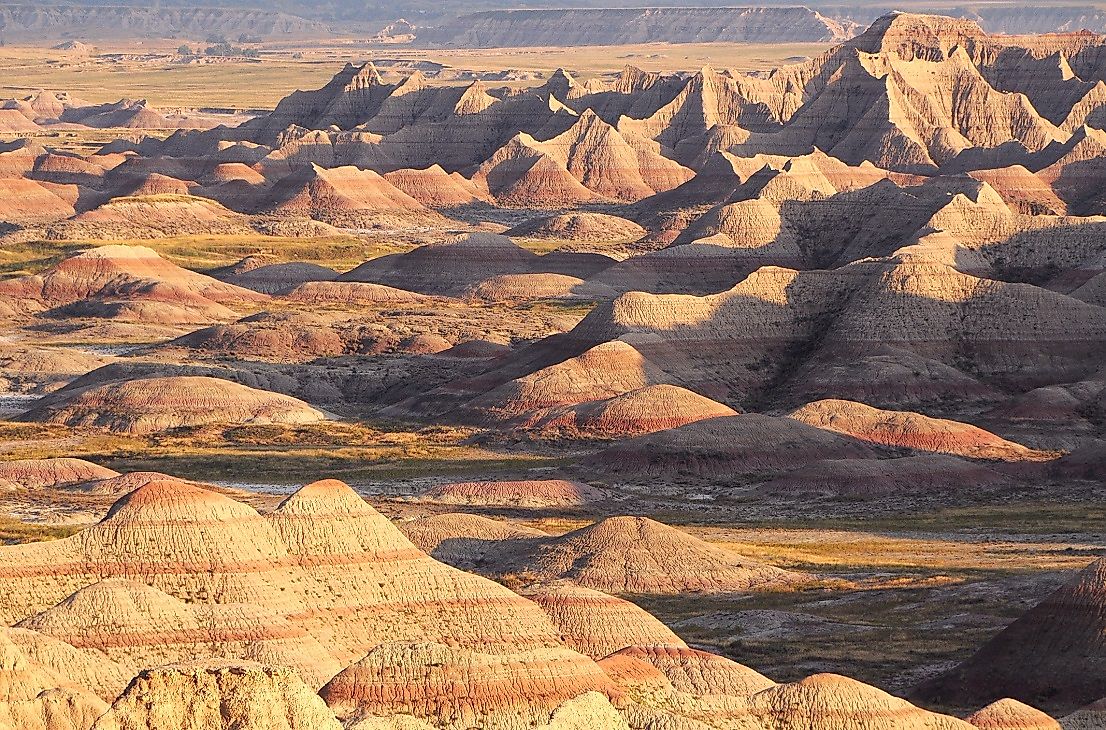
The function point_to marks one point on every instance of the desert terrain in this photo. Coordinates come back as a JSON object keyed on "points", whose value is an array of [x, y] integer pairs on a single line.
{"points": [[670, 384]]}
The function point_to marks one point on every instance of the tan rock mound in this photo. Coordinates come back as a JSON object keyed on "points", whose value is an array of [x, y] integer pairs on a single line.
{"points": [[583, 227], [636, 555], [435, 188], [288, 337], [123, 484], [1051, 655], [426, 343], [26, 201], [118, 273], [597, 624], [141, 627], [463, 540], [904, 429], [456, 688], [34, 697], [1008, 714], [642, 411], [156, 183], [534, 493], [44, 368], [37, 473], [347, 197], [148, 405], [352, 293], [718, 448], [604, 371], [275, 278], [525, 287], [1023, 191], [698, 672], [215, 696], [448, 268], [151, 217], [832, 702], [89, 670]]}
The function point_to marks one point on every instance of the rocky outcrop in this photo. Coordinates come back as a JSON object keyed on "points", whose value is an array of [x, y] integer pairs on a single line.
{"points": [[216, 695]]}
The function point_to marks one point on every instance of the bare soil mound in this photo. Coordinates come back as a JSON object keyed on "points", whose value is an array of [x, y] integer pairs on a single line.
{"points": [[199, 543], [604, 371], [719, 448], [118, 273], [26, 201], [535, 493], [463, 540], [37, 473], [149, 405], [457, 688], [36, 697], [596, 624], [642, 411], [352, 293], [275, 278], [140, 626], [288, 337], [448, 268], [698, 672], [636, 555], [526, 287], [435, 188], [833, 702], [1008, 714], [1091, 717], [151, 217], [903, 429], [347, 197]]}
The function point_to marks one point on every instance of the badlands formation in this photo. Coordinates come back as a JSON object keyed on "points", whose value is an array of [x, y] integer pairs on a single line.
{"points": [[769, 401]]}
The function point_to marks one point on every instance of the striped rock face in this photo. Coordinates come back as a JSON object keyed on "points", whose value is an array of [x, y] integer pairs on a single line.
{"points": [[459, 688], [597, 624], [913, 431], [320, 580]]}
